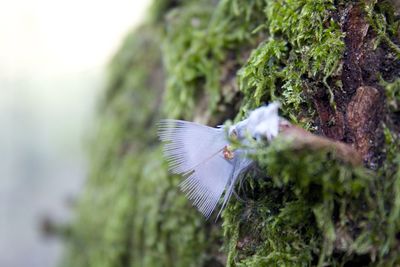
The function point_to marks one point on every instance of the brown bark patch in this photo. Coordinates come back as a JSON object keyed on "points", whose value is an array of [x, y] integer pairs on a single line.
{"points": [[332, 121], [362, 119], [359, 102], [356, 28]]}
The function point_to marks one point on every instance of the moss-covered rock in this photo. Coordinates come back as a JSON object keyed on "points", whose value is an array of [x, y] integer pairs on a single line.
{"points": [[211, 61]]}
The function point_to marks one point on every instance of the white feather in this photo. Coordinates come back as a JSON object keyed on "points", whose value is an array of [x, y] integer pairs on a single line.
{"points": [[196, 151]]}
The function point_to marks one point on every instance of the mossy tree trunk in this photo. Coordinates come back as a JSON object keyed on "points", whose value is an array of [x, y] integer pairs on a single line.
{"points": [[335, 68]]}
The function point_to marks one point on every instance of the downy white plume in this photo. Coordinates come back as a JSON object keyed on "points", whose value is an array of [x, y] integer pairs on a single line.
{"points": [[262, 122], [203, 154]]}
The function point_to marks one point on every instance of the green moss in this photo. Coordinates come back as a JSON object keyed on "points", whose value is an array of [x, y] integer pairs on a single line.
{"points": [[201, 36], [393, 95], [305, 44], [388, 196], [296, 209], [186, 61], [382, 18], [315, 210], [299, 207]]}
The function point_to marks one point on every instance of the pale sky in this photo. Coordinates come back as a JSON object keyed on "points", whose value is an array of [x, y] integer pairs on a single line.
{"points": [[58, 36], [52, 59]]}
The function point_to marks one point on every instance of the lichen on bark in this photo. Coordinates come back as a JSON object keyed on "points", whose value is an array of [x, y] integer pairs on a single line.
{"points": [[333, 65]]}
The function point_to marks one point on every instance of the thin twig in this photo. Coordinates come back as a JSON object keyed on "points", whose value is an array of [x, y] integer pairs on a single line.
{"points": [[305, 139]]}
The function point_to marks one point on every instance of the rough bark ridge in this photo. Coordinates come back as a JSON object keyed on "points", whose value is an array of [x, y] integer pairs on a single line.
{"points": [[335, 68]]}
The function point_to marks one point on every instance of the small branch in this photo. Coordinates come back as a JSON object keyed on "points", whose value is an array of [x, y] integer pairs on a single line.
{"points": [[304, 139]]}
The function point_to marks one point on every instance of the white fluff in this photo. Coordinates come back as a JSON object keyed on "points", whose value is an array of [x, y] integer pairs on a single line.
{"points": [[262, 122]]}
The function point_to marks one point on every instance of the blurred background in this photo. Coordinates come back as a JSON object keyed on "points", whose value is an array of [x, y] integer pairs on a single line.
{"points": [[53, 55]]}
